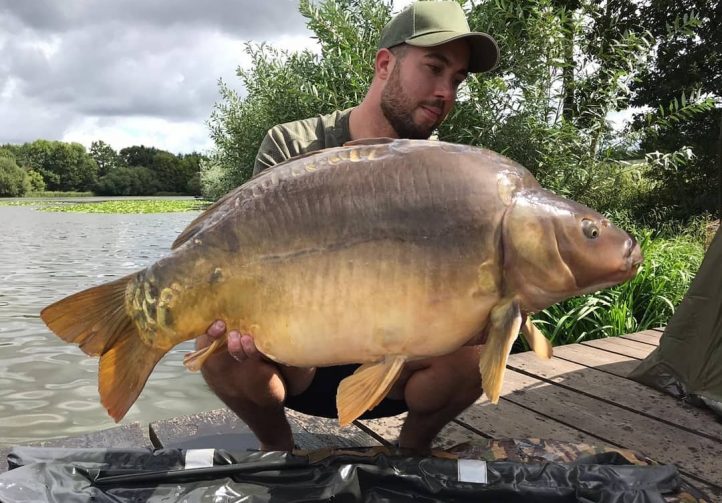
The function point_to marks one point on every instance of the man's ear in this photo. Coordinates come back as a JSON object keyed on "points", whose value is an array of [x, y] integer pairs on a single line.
{"points": [[385, 61]]}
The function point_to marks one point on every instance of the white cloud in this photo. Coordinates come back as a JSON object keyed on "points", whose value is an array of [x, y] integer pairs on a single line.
{"points": [[130, 72]]}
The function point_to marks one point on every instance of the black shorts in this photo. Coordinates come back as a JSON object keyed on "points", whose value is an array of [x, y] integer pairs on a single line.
{"points": [[320, 397]]}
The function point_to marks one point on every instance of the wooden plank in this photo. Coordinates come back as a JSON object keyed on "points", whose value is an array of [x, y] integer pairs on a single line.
{"points": [[509, 420], [484, 419], [389, 429], [647, 336], [604, 361], [693, 454], [619, 391], [505, 420], [625, 347], [221, 428], [311, 432], [713, 493]]}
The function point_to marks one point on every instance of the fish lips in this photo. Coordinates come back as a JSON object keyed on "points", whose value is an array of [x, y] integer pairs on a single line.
{"points": [[633, 256]]}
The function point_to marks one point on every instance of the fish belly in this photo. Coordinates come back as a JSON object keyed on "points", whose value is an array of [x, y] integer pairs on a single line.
{"points": [[363, 302]]}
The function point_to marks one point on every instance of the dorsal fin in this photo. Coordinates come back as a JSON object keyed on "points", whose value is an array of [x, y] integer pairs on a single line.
{"points": [[369, 141]]}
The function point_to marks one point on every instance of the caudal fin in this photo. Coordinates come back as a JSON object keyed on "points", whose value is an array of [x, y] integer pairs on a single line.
{"points": [[124, 368], [96, 320]]}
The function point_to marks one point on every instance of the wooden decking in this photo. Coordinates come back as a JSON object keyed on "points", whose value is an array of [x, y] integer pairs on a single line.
{"points": [[583, 395], [580, 395]]}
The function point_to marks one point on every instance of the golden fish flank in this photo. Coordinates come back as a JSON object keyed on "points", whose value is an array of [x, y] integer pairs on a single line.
{"points": [[489, 280], [388, 251]]}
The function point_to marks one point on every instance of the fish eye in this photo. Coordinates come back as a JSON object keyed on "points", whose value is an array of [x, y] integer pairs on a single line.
{"points": [[590, 229]]}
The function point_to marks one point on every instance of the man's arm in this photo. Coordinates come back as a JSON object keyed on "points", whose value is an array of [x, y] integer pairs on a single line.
{"points": [[274, 150]]}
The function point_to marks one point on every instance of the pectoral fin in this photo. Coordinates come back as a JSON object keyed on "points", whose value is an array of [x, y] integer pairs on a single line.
{"points": [[195, 360], [366, 388], [505, 321], [536, 340]]}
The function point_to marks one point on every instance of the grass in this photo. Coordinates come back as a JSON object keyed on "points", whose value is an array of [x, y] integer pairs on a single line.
{"points": [[647, 301], [119, 206]]}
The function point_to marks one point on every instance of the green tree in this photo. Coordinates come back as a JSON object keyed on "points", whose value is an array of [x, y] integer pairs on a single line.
{"points": [[104, 156], [566, 65], [138, 155], [63, 166], [37, 184], [6, 151], [281, 87], [172, 172], [191, 169], [686, 68], [14, 180], [193, 187], [168, 170], [128, 181]]}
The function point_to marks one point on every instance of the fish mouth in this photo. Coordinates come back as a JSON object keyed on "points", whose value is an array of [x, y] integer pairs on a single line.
{"points": [[633, 257]]}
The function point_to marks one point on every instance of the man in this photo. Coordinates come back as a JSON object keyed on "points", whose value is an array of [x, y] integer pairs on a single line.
{"points": [[425, 53]]}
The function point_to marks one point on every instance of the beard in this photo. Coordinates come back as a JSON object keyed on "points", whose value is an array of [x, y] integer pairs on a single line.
{"points": [[398, 110]]}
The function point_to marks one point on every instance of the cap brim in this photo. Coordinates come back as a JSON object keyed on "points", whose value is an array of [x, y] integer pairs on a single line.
{"points": [[484, 50]]}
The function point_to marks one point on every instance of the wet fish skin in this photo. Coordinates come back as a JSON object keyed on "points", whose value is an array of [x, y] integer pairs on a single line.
{"points": [[375, 253]]}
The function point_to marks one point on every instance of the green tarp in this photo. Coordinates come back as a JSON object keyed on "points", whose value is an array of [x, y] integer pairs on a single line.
{"points": [[688, 361]]}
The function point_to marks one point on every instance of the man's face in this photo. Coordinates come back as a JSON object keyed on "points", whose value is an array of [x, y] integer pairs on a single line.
{"points": [[421, 89]]}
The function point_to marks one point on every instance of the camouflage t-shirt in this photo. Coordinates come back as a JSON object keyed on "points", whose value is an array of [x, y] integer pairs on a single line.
{"points": [[288, 140]]}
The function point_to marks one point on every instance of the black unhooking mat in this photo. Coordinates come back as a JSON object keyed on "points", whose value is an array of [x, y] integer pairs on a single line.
{"points": [[528, 470]]}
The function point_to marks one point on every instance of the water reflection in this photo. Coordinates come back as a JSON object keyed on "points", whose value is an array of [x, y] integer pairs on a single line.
{"points": [[48, 389]]}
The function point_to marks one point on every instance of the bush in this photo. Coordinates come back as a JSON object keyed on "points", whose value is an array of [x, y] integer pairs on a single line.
{"points": [[37, 184], [14, 181]]}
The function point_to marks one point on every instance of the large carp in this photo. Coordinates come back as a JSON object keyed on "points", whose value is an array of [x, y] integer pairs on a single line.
{"points": [[378, 252]]}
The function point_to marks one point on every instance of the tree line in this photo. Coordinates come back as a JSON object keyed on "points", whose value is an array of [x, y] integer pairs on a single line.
{"points": [[56, 166], [566, 66]]}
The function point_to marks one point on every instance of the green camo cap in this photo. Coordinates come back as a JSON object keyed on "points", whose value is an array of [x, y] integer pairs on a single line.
{"points": [[428, 24]]}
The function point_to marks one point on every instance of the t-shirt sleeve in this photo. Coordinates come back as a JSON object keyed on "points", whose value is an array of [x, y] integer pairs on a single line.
{"points": [[273, 150], [285, 141]]}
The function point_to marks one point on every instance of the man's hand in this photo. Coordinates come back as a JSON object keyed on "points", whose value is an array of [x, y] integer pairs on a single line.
{"points": [[240, 345], [242, 348]]}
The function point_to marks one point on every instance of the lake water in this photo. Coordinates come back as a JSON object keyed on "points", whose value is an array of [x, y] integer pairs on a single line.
{"points": [[48, 388]]}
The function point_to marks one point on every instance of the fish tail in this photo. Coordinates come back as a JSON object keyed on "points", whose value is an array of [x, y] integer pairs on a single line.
{"points": [[124, 368], [97, 321]]}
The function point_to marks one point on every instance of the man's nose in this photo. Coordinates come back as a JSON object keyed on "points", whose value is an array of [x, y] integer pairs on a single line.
{"points": [[445, 91]]}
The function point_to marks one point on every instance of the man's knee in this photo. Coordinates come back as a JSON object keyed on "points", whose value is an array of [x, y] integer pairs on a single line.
{"points": [[451, 381], [250, 382]]}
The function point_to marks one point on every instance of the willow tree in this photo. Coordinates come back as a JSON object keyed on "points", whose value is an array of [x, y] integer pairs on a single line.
{"points": [[281, 86]]}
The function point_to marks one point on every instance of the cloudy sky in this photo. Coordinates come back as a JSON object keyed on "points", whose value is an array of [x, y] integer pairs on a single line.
{"points": [[129, 72]]}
